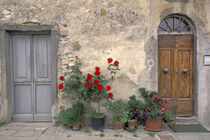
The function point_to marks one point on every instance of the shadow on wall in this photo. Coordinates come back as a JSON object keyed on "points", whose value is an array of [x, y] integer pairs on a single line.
{"points": [[148, 77]]}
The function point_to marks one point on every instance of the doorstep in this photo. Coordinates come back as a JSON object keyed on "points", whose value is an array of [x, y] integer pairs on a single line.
{"points": [[187, 120]]}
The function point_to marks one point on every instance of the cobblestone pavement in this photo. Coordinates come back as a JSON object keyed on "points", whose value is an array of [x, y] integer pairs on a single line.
{"points": [[46, 131]]}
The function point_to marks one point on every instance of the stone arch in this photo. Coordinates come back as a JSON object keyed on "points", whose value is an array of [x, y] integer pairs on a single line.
{"points": [[196, 21]]}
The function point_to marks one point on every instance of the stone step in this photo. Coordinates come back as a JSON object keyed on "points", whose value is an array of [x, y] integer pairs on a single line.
{"points": [[187, 120]]}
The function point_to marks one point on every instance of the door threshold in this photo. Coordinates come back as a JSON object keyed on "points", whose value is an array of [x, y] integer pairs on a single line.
{"points": [[187, 120]]}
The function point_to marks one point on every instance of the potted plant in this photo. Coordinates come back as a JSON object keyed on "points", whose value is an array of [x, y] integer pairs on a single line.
{"points": [[64, 118], [77, 115], [94, 89], [118, 108], [71, 117], [136, 112], [155, 110]]}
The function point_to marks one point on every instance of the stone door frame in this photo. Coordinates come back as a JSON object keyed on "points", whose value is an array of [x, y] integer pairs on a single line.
{"points": [[5, 31]]}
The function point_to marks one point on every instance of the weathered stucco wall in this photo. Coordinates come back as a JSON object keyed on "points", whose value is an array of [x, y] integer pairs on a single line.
{"points": [[123, 30]]}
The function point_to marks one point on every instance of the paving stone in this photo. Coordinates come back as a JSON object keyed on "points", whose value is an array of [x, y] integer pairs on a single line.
{"points": [[7, 132], [50, 131], [192, 136], [166, 137], [23, 133], [148, 138], [17, 138]]}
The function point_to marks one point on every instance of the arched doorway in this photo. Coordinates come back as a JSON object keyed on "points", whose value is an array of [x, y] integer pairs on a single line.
{"points": [[175, 64]]}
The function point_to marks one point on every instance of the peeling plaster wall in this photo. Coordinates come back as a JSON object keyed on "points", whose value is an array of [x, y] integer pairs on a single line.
{"points": [[125, 31]]}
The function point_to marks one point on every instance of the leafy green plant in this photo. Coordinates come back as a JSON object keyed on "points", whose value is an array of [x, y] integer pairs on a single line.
{"points": [[126, 116], [77, 113], [117, 135], [2, 123], [87, 131], [64, 117], [70, 116], [117, 107], [72, 80], [97, 115], [135, 135], [136, 108], [101, 135], [151, 134]]}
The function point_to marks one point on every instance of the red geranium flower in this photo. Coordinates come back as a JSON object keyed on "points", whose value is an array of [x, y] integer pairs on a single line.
{"points": [[88, 83], [150, 109], [60, 86], [160, 100], [163, 108], [116, 63], [96, 81], [110, 95], [61, 78], [156, 98], [108, 88], [99, 86], [97, 68], [97, 73], [166, 101], [109, 60], [89, 76]]}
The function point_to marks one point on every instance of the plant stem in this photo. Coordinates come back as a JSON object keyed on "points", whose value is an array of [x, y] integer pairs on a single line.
{"points": [[112, 79], [99, 105], [90, 106]]}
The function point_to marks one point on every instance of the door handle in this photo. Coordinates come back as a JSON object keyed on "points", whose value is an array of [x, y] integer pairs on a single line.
{"points": [[184, 70], [165, 70]]}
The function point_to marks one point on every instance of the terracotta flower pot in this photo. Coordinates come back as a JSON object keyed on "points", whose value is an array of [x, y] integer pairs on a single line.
{"points": [[82, 124], [68, 127], [76, 126], [153, 125], [132, 124], [118, 125]]}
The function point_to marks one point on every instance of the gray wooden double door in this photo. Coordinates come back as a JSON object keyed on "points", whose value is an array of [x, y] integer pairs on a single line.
{"points": [[31, 78]]}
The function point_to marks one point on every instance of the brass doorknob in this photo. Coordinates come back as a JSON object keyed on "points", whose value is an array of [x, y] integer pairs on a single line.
{"points": [[165, 70], [184, 70]]}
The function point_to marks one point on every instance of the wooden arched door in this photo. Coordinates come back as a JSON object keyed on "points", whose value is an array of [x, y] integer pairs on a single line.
{"points": [[175, 62]]}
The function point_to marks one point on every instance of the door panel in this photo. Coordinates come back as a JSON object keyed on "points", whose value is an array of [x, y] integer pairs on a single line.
{"points": [[42, 58], [21, 58], [180, 59], [43, 103], [22, 99], [31, 92], [184, 76], [165, 72]]}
